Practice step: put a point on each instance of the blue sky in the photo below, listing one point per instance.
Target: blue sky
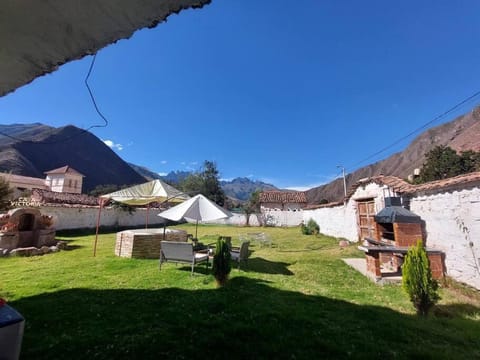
(277, 91)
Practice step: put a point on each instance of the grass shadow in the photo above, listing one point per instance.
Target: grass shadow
(264, 266)
(457, 310)
(173, 323)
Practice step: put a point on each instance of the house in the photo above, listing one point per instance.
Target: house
(282, 200)
(64, 179)
(20, 183)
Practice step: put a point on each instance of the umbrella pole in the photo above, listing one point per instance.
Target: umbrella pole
(98, 225)
(146, 217)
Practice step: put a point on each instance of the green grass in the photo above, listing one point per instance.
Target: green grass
(295, 300)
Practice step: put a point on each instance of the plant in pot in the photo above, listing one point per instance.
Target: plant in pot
(221, 262)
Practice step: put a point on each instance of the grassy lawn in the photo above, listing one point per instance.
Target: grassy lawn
(295, 300)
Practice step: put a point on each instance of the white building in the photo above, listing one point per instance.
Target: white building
(64, 179)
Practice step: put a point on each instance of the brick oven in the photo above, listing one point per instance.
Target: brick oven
(26, 227)
(395, 230)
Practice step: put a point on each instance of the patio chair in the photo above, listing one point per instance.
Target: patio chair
(239, 254)
(181, 252)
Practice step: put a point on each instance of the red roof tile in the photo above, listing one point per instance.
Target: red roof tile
(63, 170)
(283, 197)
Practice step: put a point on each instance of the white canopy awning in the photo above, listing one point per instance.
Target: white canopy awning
(143, 194)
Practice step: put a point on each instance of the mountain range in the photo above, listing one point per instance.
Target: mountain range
(33, 149)
(238, 189)
(462, 133)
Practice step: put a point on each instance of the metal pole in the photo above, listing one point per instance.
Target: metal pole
(344, 180)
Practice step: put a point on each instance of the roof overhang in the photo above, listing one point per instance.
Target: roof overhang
(39, 36)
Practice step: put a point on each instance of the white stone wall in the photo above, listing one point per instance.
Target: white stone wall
(282, 218)
(338, 221)
(452, 224)
(452, 221)
(86, 217)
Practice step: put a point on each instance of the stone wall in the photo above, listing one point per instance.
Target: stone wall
(85, 217)
(452, 224)
(145, 244)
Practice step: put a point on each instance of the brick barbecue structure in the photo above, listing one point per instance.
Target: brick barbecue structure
(395, 230)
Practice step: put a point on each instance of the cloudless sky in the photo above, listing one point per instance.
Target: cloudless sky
(278, 91)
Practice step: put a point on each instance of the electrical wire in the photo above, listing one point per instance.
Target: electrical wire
(445, 113)
(82, 131)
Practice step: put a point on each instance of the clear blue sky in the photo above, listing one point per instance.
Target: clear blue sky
(277, 91)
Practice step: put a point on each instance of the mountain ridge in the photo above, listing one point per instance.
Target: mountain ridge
(461, 133)
(32, 149)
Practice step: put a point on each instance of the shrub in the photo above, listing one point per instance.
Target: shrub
(311, 228)
(221, 262)
(417, 280)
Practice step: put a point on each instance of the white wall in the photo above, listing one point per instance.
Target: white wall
(338, 221)
(452, 222)
(86, 217)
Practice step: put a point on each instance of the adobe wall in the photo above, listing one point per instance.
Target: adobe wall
(452, 222)
(338, 221)
(452, 225)
(66, 218)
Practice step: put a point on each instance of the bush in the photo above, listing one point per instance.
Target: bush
(417, 280)
(311, 228)
(221, 262)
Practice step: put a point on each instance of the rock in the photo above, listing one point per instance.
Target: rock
(5, 252)
(45, 249)
(62, 245)
(28, 251)
(54, 249)
(343, 243)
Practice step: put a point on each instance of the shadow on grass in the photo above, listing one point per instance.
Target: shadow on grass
(456, 310)
(260, 265)
(247, 319)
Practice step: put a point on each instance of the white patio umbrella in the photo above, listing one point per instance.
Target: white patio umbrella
(197, 208)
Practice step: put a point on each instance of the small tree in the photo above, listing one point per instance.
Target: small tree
(221, 262)
(5, 193)
(311, 228)
(252, 206)
(417, 280)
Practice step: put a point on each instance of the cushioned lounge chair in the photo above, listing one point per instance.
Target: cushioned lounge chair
(181, 252)
(241, 253)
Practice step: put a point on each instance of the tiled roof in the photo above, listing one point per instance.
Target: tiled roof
(24, 180)
(283, 197)
(64, 170)
(402, 187)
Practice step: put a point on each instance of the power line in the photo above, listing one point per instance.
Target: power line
(455, 107)
(82, 131)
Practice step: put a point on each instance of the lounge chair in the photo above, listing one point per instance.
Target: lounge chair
(181, 252)
(241, 253)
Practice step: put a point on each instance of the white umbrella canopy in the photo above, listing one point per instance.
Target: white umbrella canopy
(143, 194)
(197, 208)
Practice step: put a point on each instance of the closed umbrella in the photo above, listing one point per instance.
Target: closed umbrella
(197, 208)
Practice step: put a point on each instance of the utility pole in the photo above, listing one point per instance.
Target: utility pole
(344, 181)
